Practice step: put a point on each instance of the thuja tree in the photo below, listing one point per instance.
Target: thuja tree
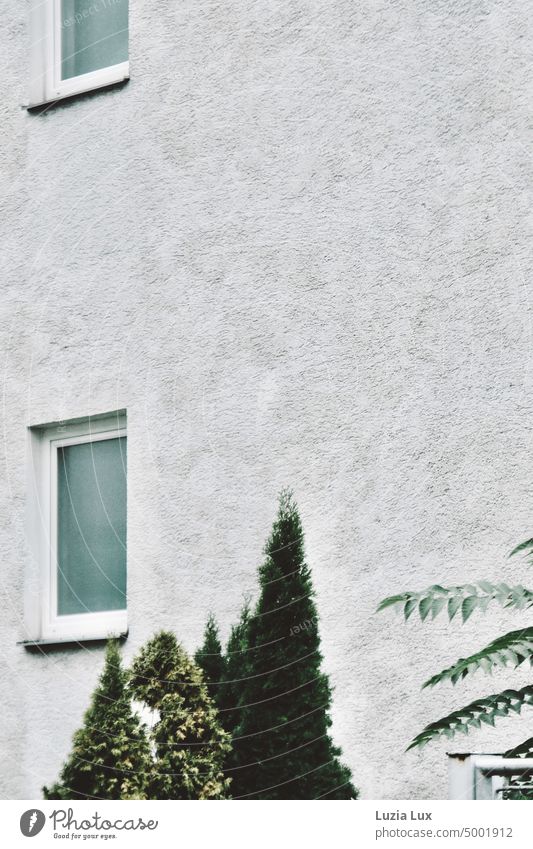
(110, 757)
(190, 745)
(510, 650)
(282, 745)
(235, 674)
(209, 658)
(225, 675)
(225, 672)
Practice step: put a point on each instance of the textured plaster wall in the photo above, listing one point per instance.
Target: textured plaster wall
(296, 247)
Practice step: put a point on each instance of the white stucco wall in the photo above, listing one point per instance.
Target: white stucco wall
(296, 247)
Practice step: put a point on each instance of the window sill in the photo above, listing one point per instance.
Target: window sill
(69, 641)
(84, 84)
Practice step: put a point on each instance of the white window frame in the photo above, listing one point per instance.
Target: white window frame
(46, 624)
(46, 84)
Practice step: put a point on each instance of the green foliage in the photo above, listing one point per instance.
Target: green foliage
(235, 673)
(113, 755)
(209, 658)
(482, 711)
(273, 697)
(282, 747)
(523, 750)
(512, 649)
(466, 599)
(190, 745)
(523, 547)
(110, 758)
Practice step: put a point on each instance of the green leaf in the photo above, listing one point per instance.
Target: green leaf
(425, 606)
(454, 604)
(483, 602)
(391, 601)
(514, 658)
(468, 606)
(436, 606)
(524, 546)
(410, 605)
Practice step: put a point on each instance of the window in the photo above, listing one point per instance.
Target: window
(76, 46)
(79, 471)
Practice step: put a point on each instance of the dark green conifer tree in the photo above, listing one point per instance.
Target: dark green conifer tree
(235, 673)
(282, 746)
(190, 744)
(210, 660)
(111, 757)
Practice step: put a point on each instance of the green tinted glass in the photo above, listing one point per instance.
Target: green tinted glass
(91, 526)
(94, 35)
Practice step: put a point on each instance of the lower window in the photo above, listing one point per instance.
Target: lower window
(83, 502)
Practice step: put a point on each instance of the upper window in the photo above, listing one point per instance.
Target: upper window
(76, 46)
(81, 497)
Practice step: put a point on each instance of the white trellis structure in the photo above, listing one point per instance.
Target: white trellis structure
(482, 777)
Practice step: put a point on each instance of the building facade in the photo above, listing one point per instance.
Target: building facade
(292, 249)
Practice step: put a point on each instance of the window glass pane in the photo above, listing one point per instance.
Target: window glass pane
(91, 527)
(94, 34)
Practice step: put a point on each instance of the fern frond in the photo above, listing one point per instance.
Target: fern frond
(510, 650)
(485, 710)
(466, 598)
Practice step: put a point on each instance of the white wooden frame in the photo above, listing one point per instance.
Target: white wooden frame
(45, 624)
(46, 84)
